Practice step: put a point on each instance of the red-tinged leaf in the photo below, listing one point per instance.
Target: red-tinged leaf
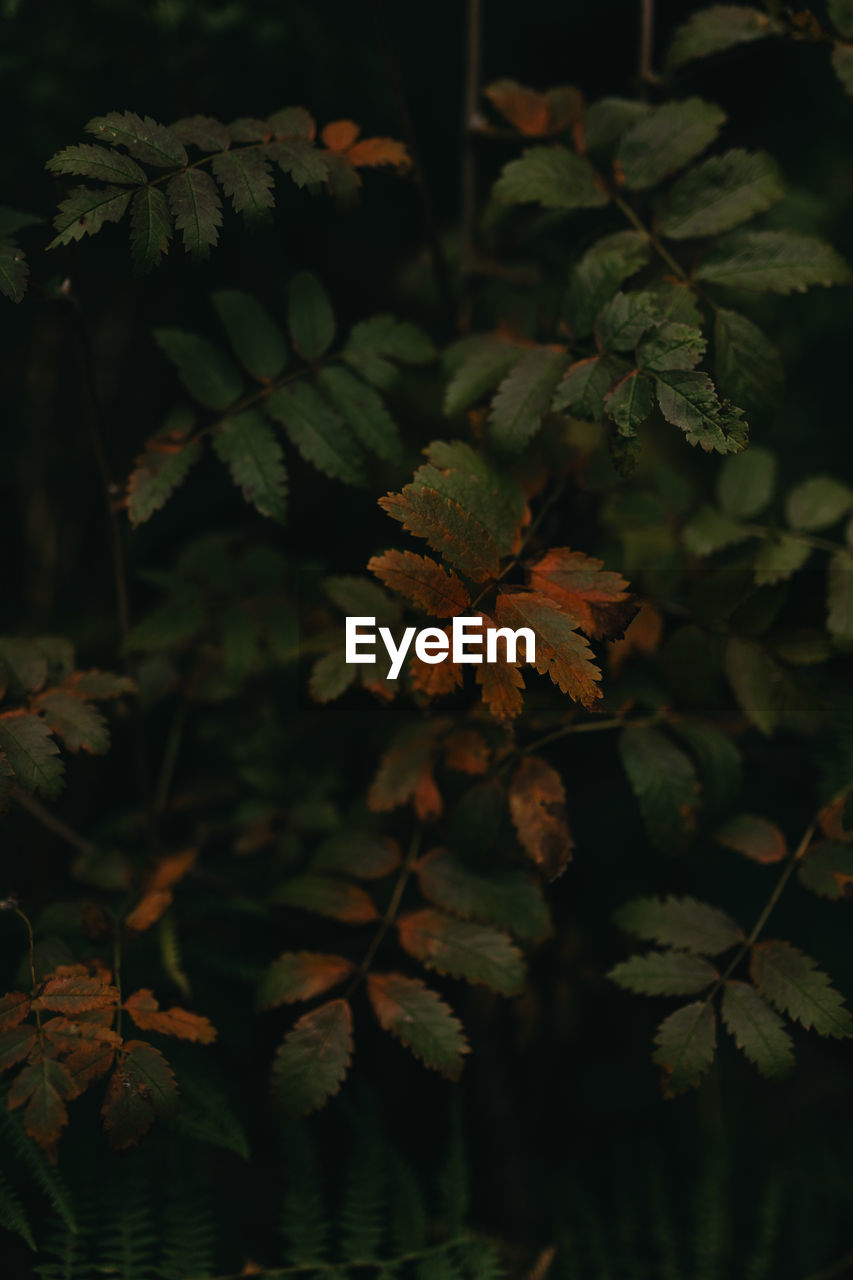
(141, 1088)
(158, 472)
(561, 651)
(474, 952)
(72, 989)
(535, 114)
(299, 975)
(43, 1088)
(328, 896)
(339, 135)
(754, 837)
(420, 1020)
(831, 819)
(466, 751)
(447, 527)
(171, 869)
(148, 1016)
(357, 853)
(14, 1007)
(313, 1058)
(643, 635)
(501, 686)
(436, 679)
(80, 726)
(597, 601)
(427, 799)
(423, 581)
(148, 910)
(537, 803)
(92, 1060)
(15, 1045)
(685, 1046)
(370, 153)
(70, 1035)
(401, 769)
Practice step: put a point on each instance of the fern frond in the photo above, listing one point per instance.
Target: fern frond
(206, 1114)
(12, 1213)
(188, 1235)
(303, 1222)
(46, 1177)
(711, 1216)
(761, 1262)
(365, 1205)
(408, 1210)
(453, 1182)
(72, 1252)
(128, 1235)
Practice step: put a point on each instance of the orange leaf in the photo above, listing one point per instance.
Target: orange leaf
(171, 869)
(372, 152)
(148, 1016)
(15, 1045)
(467, 751)
(339, 135)
(537, 803)
(299, 975)
(501, 684)
(435, 679)
(148, 910)
(14, 1007)
(831, 819)
(561, 652)
(427, 798)
(597, 601)
(524, 108)
(43, 1088)
(401, 769)
(67, 1035)
(642, 635)
(423, 581)
(72, 990)
(447, 527)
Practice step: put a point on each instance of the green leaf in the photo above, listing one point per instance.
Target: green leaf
(754, 837)
(492, 496)
(550, 176)
(14, 271)
(842, 64)
(817, 503)
(663, 780)
(205, 370)
(508, 899)
(606, 120)
(140, 1089)
(85, 211)
(420, 1020)
(447, 527)
(79, 725)
(246, 179)
(159, 470)
(745, 482)
(462, 950)
(150, 227)
(317, 431)
(827, 869)
(792, 982)
(748, 366)
(331, 676)
(373, 344)
(313, 1058)
(356, 595)
(664, 973)
(664, 140)
(778, 261)
(719, 764)
(719, 194)
(755, 681)
(524, 397)
(672, 346)
(247, 445)
(586, 384)
(362, 854)
(310, 316)
(203, 132)
(778, 557)
(23, 665)
(685, 1045)
(88, 161)
(327, 896)
(144, 138)
(683, 923)
(757, 1030)
(688, 400)
(256, 339)
(479, 363)
(599, 273)
(196, 208)
(304, 164)
(709, 530)
(720, 27)
(839, 582)
(300, 975)
(13, 1216)
(622, 322)
(841, 16)
(32, 753)
(629, 402)
(364, 410)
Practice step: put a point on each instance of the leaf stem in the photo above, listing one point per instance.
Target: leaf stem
(32, 951)
(391, 910)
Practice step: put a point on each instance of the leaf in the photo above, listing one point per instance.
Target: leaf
(86, 210)
(778, 261)
(745, 482)
(331, 676)
(420, 1019)
(104, 163)
(777, 558)
(664, 140)
(196, 208)
(683, 923)
(372, 153)
(255, 337)
(817, 503)
(359, 595)
(314, 1058)
(664, 781)
(150, 908)
(757, 1030)
(501, 684)
(754, 837)
(72, 990)
(685, 1045)
(561, 652)
(491, 495)
(754, 678)
(594, 597)
(246, 179)
(16, 1044)
(364, 410)
(79, 725)
(302, 162)
(317, 431)
(712, 30)
(310, 316)
(537, 804)
(299, 975)
(144, 138)
(841, 16)
(447, 528)
(423, 581)
(480, 363)
(328, 896)
(141, 1088)
(158, 472)
(550, 176)
(508, 899)
(598, 275)
(202, 367)
(14, 1007)
(148, 1016)
(688, 400)
(708, 530)
(532, 113)
(524, 397)
(372, 345)
(748, 366)
(792, 982)
(719, 194)
(404, 767)
(586, 384)
(625, 318)
(248, 447)
(43, 1088)
(839, 620)
(664, 973)
(466, 751)
(14, 271)
(606, 120)
(357, 853)
(462, 950)
(150, 227)
(203, 132)
(672, 346)
(31, 753)
(827, 869)
(842, 64)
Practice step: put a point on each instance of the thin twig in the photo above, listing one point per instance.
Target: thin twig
(53, 824)
(554, 495)
(470, 116)
(590, 726)
(645, 75)
(391, 910)
(170, 756)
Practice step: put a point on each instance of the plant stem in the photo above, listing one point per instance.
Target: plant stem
(470, 111)
(645, 75)
(807, 539)
(390, 911)
(53, 824)
(556, 493)
(32, 946)
(590, 726)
